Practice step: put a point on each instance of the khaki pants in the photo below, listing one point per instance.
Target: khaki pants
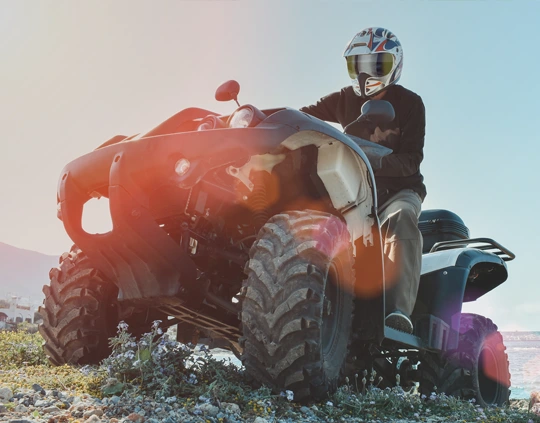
(402, 242)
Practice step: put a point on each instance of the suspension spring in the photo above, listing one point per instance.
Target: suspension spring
(258, 201)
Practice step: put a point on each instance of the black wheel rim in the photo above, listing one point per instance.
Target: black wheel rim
(331, 306)
(488, 375)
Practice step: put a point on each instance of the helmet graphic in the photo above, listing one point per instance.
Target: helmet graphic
(374, 60)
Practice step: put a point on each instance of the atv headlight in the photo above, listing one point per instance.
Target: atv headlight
(241, 118)
(182, 166)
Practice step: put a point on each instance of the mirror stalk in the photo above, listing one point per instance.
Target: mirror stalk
(353, 122)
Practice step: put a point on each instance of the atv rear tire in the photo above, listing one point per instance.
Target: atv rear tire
(79, 312)
(477, 369)
(297, 305)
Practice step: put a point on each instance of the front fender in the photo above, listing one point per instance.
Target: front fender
(128, 171)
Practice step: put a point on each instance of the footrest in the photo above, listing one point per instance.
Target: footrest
(433, 330)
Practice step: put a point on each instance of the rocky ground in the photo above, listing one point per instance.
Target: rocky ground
(177, 383)
(52, 406)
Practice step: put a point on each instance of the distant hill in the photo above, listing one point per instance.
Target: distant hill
(24, 272)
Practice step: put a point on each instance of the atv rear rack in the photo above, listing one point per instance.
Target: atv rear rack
(485, 244)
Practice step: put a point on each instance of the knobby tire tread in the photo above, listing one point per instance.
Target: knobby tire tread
(455, 372)
(282, 305)
(78, 312)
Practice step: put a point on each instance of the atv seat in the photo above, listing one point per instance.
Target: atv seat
(440, 225)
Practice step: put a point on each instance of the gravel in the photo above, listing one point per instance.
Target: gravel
(38, 405)
(44, 406)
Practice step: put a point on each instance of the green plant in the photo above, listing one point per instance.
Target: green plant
(21, 348)
(158, 365)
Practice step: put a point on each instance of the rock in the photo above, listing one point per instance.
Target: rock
(51, 409)
(42, 403)
(93, 419)
(21, 421)
(134, 417)
(61, 405)
(38, 388)
(94, 412)
(21, 408)
(5, 394)
(115, 399)
(305, 410)
(260, 420)
(209, 409)
(113, 420)
(231, 407)
(3, 409)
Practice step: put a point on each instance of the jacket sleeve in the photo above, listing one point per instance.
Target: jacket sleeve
(406, 161)
(325, 108)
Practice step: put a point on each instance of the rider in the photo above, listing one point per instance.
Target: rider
(374, 60)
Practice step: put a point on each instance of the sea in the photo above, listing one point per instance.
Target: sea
(523, 349)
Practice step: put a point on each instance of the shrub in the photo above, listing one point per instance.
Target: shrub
(20, 349)
(161, 367)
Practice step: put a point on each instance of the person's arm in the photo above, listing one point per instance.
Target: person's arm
(325, 108)
(406, 162)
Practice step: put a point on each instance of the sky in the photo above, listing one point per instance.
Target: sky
(73, 74)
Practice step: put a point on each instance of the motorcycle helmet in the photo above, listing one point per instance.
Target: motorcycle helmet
(374, 60)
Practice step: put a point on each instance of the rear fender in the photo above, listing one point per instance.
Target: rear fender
(451, 277)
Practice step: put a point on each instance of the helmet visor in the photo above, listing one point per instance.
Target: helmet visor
(375, 65)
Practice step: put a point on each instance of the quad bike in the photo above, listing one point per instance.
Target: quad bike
(259, 231)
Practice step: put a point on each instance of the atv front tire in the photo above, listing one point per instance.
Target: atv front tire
(477, 369)
(297, 305)
(79, 312)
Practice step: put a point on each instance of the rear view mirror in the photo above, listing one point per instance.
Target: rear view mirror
(228, 91)
(377, 111)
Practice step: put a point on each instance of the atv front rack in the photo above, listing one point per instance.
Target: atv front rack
(485, 244)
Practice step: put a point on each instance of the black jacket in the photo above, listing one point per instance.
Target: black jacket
(404, 135)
